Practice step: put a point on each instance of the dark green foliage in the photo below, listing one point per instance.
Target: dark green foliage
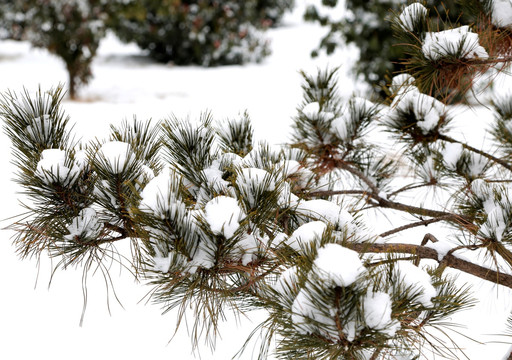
(200, 32)
(13, 19)
(272, 10)
(236, 137)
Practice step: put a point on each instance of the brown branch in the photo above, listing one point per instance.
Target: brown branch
(449, 260)
(419, 223)
(503, 163)
(383, 202)
(376, 354)
(336, 192)
(410, 187)
(358, 173)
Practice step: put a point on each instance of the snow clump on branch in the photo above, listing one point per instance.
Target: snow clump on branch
(84, 226)
(427, 110)
(52, 167)
(117, 155)
(411, 15)
(460, 42)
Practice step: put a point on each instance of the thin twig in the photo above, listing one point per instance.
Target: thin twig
(418, 223)
(336, 192)
(410, 187)
(374, 193)
(502, 162)
(376, 354)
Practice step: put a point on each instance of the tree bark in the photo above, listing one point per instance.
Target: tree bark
(449, 260)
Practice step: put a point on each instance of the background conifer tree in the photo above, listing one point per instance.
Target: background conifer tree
(71, 30)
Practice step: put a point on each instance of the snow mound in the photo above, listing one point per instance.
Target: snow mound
(411, 15)
(117, 155)
(223, 215)
(51, 167)
(460, 42)
(338, 265)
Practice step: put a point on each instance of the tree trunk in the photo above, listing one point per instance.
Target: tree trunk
(72, 84)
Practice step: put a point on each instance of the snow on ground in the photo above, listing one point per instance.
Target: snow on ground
(43, 323)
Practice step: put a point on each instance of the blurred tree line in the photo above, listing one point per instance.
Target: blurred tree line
(203, 32)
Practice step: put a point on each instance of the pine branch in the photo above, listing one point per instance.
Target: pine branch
(448, 217)
(503, 163)
(385, 203)
(449, 260)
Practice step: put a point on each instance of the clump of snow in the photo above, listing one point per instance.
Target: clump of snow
(344, 126)
(257, 177)
(147, 172)
(229, 159)
(251, 181)
(158, 194)
(480, 188)
(324, 210)
(418, 281)
(305, 234)
(401, 82)
(377, 313)
(411, 15)
(249, 245)
(214, 178)
(477, 164)
(338, 265)
(51, 167)
(360, 104)
(340, 126)
(85, 225)
(501, 13)
(496, 224)
(117, 154)
(451, 155)
(311, 110)
(427, 109)
(223, 215)
(203, 258)
(290, 167)
(81, 158)
(286, 197)
(161, 263)
(442, 248)
(460, 42)
(294, 170)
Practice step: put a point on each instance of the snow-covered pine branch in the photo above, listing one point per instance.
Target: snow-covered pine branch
(220, 223)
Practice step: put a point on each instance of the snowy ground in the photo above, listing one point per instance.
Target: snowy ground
(43, 323)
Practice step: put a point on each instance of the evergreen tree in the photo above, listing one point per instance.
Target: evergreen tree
(218, 222)
(201, 32)
(71, 30)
